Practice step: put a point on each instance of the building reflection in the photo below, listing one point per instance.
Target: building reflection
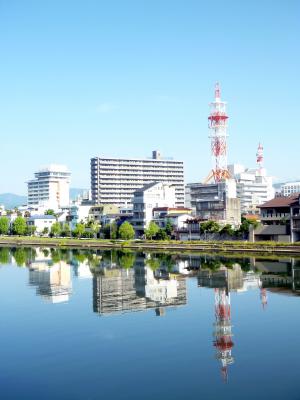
(278, 276)
(120, 290)
(51, 279)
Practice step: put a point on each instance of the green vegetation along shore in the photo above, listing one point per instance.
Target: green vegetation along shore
(216, 246)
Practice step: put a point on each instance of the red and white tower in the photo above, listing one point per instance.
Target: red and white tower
(260, 156)
(217, 123)
(223, 330)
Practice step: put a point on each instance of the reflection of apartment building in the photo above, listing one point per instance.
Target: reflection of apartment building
(52, 281)
(114, 180)
(135, 289)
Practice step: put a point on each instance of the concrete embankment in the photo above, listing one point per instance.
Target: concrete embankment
(220, 247)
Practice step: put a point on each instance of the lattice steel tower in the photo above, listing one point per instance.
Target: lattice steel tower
(217, 123)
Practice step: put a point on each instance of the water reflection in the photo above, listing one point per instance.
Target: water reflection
(148, 285)
(51, 279)
(125, 282)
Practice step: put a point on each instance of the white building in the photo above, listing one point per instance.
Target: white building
(50, 188)
(114, 180)
(146, 199)
(253, 187)
(40, 222)
(289, 188)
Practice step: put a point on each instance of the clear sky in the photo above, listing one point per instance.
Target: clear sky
(121, 78)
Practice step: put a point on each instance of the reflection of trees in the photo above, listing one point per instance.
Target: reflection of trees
(23, 255)
(20, 256)
(153, 262)
(211, 263)
(46, 252)
(55, 255)
(4, 255)
(126, 260)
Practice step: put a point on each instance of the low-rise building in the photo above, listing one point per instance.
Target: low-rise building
(280, 220)
(253, 187)
(148, 198)
(97, 212)
(215, 201)
(40, 222)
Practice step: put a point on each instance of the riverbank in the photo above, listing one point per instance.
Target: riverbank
(139, 245)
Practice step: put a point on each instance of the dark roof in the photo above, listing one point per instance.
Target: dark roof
(180, 208)
(282, 201)
(145, 187)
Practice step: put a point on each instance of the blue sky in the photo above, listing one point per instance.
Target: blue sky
(121, 78)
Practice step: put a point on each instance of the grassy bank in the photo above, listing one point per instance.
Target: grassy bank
(224, 247)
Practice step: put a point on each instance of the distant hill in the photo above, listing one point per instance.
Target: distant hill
(11, 200)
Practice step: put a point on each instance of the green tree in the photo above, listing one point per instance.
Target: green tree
(79, 230)
(30, 230)
(95, 228)
(45, 231)
(19, 226)
(152, 230)
(227, 230)
(110, 231)
(66, 230)
(56, 229)
(126, 231)
(4, 225)
(210, 226)
(161, 235)
(50, 212)
(169, 228)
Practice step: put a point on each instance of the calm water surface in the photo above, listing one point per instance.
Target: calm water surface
(113, 325)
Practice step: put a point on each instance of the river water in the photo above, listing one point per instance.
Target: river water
(122, 325)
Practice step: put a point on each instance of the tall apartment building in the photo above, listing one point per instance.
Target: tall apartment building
(50, 187)
(114, 180)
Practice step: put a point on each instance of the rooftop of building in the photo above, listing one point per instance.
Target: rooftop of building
(54, 168)
(282, 201)
(50, 217)
(156, 156)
